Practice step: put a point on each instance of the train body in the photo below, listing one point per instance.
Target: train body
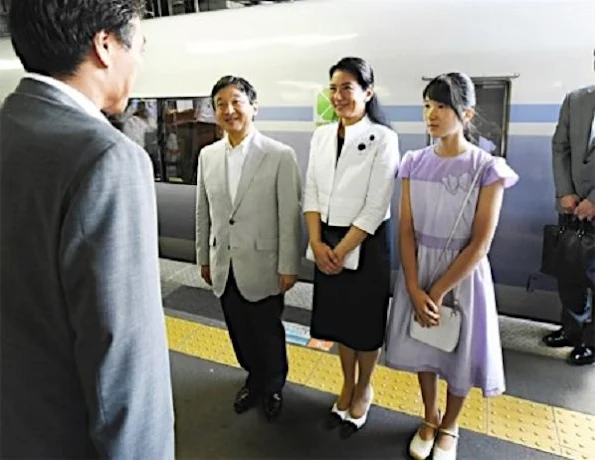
(285, 51)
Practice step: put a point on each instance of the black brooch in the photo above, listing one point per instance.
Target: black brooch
(362, 146)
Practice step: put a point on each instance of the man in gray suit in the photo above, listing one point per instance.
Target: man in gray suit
(573, 149)
(85, 366)
(248, 239)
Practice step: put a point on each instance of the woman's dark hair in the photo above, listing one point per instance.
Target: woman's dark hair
(363, 73)
(457, 91)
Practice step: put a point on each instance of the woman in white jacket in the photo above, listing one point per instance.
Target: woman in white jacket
(349, 185)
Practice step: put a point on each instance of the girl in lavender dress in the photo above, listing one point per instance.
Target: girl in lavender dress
(435, 183)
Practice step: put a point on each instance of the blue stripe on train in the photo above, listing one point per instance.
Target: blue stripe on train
(519, 113)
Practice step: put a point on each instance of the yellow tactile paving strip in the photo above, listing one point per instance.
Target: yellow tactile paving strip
(538, 426)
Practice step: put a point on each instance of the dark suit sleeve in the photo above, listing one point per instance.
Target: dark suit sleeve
(589, 173)
(109, 268)
(561, 152)
(289, 192)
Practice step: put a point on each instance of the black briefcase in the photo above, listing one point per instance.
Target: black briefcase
(568, 252)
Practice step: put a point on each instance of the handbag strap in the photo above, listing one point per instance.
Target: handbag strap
(459, 217)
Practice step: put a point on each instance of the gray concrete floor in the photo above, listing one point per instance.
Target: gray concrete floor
(208, 428)
(550, 381)
(535, 377)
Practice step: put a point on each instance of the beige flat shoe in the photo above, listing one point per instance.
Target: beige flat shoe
(420, 449)
(450, 454)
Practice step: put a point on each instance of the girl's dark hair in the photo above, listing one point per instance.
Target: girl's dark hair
(457, 91)
(363, 73)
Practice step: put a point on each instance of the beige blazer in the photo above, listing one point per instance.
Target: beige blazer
(259, 233)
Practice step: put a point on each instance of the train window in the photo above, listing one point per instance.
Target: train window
(492, 114)
(188, 126)
(140, 122)
(491, 121)
(172, 132)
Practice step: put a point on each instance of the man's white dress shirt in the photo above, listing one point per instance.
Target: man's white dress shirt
(236, 157)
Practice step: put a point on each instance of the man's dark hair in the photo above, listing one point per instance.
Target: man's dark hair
(53, 37)
(240, 83)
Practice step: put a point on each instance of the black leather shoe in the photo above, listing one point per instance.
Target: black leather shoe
(582, 356)
(245, 399)
(557, 339)
(272, 406)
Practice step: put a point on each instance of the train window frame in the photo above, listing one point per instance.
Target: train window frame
(118, 120)
(163, 138)
(200, 133)
(504, 84)
(163, 102)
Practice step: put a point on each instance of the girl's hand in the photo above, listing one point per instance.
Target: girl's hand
(427, 312)
(436, 296)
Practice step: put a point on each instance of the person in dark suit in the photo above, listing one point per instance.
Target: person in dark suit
(85, 365)
(573, 149)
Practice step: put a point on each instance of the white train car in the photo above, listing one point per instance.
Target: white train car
(524, 56)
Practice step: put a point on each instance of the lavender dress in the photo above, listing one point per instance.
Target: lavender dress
(438, 186)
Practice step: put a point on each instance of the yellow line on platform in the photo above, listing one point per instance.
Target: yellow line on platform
(546, 428)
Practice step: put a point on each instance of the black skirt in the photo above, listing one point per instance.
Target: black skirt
(351, 308)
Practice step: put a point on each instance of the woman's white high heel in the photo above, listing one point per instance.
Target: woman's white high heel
(342, 414)
(335, 417)
(450, 454)
(353, 425)
(419, 448)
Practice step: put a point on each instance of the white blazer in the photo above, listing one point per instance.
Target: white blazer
(358, 190)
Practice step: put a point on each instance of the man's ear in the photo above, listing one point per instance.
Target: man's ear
(103, 46)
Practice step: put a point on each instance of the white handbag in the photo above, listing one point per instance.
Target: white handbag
(445, 336)
(350, 262)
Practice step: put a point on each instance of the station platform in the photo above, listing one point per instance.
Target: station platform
(548, 410)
